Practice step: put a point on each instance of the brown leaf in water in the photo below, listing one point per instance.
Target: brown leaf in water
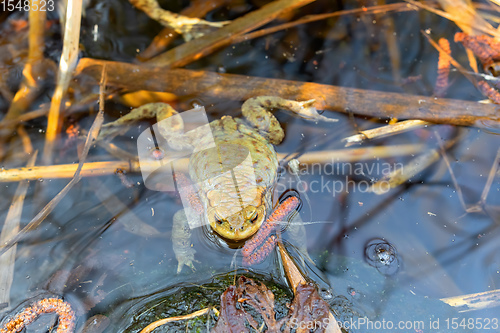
(307, 307)
(231, 318)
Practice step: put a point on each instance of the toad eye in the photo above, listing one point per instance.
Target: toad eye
(254, 217)
(218, 219)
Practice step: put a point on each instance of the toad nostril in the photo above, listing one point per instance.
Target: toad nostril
(242, 228)
(230, 228)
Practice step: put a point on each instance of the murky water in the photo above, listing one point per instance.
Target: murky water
(376, 255)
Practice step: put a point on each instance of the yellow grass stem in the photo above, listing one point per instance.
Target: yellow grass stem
(66, 66)
(94, 169)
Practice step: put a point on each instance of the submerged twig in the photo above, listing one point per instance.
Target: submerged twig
(412, 168)
(452, 174)
(478, 207)
(491, 176)
(25, 139)
(9, 229)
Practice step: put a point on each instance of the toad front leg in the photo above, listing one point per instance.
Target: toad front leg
(256, 112)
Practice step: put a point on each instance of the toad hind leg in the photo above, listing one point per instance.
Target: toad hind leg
(181, 240)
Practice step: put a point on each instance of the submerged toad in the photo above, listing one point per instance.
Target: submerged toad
(233, 181)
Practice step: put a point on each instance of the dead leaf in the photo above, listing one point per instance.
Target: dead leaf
(307, 310)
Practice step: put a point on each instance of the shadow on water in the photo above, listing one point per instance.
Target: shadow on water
(107, 248)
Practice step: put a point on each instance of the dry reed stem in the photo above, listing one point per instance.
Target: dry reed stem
(388, 130)
(342, 99)
(9, 229)
(158, 323)
(477, 301)
(36, 36)
(382, 9)
(66, 171)
(465, 15)
(198, 48)
(67, 64)
(465, 23)
(95, 169)
(472, 60)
